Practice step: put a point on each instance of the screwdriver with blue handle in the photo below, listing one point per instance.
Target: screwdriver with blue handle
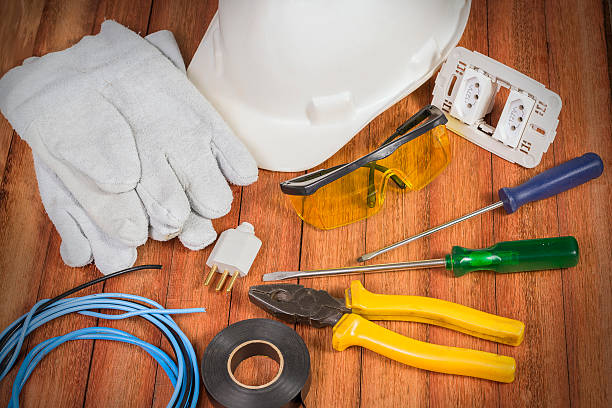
(544, 185)
(503, 257)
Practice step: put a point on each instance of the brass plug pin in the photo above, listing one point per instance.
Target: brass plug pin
(231, 282)
(222, 280)
(210, 275)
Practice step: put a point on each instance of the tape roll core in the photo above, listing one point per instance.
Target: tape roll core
(250, 338)
(253, 348)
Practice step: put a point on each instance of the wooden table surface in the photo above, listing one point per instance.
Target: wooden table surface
(566, 357)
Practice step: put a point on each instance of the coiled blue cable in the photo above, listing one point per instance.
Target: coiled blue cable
(183, 373)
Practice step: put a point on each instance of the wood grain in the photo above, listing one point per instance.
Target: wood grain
(17, 33)
(28, 234)
(321, 249)
(129, 372)
(454, 193)
(187, 272)
(403, 215)
(585, 211)
(565, 359)
(535, 298)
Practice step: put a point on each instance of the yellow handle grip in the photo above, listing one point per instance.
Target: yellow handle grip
(453, 316)
(354, 330)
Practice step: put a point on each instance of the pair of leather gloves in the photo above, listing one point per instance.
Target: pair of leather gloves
(124, 146)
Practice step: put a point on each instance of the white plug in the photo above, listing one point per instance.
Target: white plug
(514, 118)
(474, 98)
(233, 254)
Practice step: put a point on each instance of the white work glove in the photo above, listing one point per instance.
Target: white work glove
(186, 150)
(82, 240)
(92, 111)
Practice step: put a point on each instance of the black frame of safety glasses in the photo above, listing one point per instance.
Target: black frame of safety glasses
(425, 120)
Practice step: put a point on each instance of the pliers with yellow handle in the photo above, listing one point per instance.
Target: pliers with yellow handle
(350, 319)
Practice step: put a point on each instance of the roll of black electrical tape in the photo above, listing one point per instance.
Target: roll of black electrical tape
(250, 338)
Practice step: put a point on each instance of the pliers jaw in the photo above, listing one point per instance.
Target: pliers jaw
(294, 303)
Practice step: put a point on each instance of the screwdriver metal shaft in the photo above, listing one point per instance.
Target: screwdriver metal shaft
(276, 276)
(503, 257)
(483, 210)
(553, 181)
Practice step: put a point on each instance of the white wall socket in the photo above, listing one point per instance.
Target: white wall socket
(465, 90)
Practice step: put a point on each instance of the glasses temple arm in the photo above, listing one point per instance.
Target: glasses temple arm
(371, 186)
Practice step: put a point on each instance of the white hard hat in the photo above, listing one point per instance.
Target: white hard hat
(297, 79)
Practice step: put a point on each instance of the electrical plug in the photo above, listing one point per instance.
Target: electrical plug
(233, 255)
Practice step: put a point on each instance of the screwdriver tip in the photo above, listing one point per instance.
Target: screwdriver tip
(366, 257)
(275, 276)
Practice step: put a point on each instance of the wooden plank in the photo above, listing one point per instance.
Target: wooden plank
(403, 214)
(18, 31)
(335, 375)
(28, 230)
(578, 71)
(464, 187)
(132, 14)
(534, 298)
(188, 21)
(275, 222)
(24, 236)
(24, 232)
(17, 39)
(121, 372)
(17, 34)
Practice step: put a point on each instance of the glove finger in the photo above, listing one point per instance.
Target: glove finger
(119, 215)
(163, 196)
(207, 190)
(74, 249)
(162, 233)
(165, 42)
(197, 233)
(82, 240)
(109, 255)
(235, 161)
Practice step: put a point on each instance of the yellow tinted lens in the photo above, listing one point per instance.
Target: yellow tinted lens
(361, 193)
(421, 160)
(343, 201)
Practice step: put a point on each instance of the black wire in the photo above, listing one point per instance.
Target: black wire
(93, 282)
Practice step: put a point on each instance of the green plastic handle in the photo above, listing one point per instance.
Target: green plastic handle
(515, 256)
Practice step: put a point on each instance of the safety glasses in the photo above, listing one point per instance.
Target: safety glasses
(411, 157)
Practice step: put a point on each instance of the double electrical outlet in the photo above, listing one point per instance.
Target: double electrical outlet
(466, 89)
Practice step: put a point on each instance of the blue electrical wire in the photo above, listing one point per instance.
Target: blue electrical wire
(183, 373)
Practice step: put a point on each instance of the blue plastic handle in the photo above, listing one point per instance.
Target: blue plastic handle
(565, 176)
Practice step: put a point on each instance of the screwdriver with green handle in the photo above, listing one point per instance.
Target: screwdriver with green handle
(503, 257)
(551, 182)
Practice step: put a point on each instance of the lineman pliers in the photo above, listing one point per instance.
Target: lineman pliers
(350, 319)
